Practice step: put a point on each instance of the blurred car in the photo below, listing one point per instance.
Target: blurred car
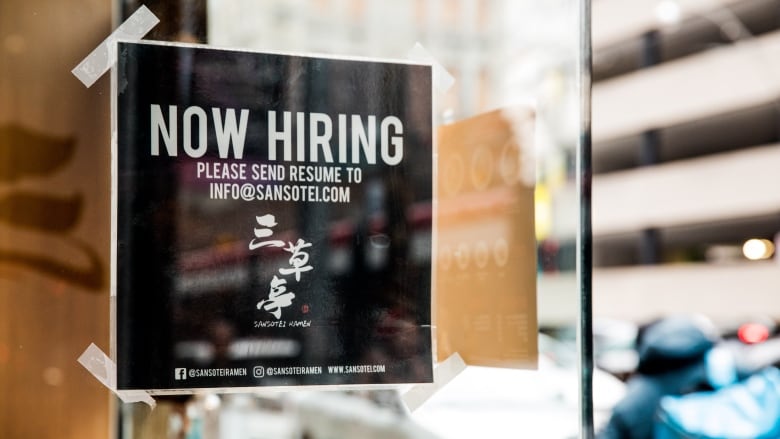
(504, 403)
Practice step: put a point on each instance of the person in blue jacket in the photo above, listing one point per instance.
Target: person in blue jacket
(672, 361)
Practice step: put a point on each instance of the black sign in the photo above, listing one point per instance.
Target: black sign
(272, 219)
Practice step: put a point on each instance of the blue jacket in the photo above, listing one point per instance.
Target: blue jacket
(671, 362)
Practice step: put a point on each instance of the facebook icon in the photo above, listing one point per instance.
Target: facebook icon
(180, 373)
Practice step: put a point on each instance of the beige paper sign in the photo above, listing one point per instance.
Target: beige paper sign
(486, 248)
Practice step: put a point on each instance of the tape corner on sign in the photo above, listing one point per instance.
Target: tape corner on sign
(97, 63)
(442, 79)
(443, 373)
(104, 370)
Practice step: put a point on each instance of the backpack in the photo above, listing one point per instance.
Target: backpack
(747, 409)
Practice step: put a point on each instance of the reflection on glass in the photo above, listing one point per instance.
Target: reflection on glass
(503, 55)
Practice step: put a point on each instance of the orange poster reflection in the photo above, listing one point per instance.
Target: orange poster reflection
(486, 249)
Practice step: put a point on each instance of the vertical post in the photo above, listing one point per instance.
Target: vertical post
(584, 232)
(649, 148)
(651, 49)
(649, 247)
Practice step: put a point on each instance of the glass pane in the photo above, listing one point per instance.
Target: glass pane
(494, 219)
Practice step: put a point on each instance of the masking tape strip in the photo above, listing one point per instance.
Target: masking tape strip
(103, 57)
(99, 365)
(443, 373)
(442, 79)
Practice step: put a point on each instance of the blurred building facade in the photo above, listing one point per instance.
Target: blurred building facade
(686, 125)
